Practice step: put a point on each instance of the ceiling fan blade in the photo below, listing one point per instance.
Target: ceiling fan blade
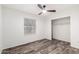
(51, 10)
(40, 13)
(39, 5)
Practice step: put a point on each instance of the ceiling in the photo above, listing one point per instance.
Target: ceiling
(33, 9)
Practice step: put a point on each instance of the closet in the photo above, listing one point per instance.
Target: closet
(61, 29)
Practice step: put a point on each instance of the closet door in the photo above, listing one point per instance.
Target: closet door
(61, 29)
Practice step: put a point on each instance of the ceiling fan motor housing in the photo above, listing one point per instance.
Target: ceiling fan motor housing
(44, 6)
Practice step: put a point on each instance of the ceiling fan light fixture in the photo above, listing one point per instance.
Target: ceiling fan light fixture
(44, 11)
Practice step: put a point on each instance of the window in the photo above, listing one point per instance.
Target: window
(29, 26)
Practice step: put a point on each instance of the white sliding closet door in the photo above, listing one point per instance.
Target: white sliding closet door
(61, 29)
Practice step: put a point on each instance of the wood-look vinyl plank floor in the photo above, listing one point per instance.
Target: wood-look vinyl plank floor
(44, 46)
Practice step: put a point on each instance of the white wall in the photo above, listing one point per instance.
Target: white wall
(13, 28)
(73, 12)
(0, 29)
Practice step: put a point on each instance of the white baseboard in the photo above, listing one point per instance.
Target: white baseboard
(75, 46)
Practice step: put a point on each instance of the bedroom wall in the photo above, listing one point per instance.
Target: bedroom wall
(73, 12)
(0, 29)
(13, 28)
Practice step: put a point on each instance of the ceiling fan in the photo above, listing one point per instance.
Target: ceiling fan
(42, 7)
